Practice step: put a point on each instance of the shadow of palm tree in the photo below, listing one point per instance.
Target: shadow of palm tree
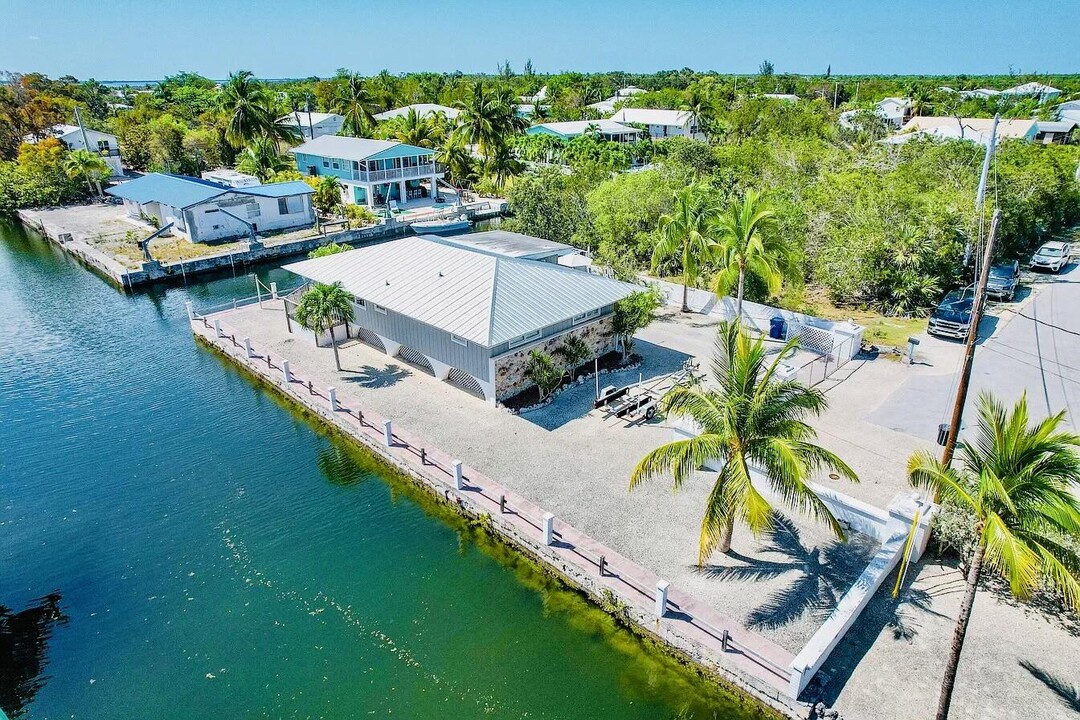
(824, 573)
(373, 377)
(1066, 691)
(24, 639)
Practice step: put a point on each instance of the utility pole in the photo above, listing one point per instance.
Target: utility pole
(969, 346)
(82, 129)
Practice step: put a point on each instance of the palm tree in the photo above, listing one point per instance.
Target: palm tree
(751, 418)
(354, 103)
(502, 165)
(684, 234)
(480, 119)
(245, 101)
(1018, 481)
(454, 155)
(412, 129)
(699, 105)
(327, 194)
(261, 159)
(747, 243)
(85, 165)
(321, 308)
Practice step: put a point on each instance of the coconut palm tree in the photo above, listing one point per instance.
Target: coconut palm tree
(412, 129)
(699, 105)
(684, 235)
(480, 120)
(85, 165)
(261, 159)
(1019, 481)
(747, 243)
(327, 195)
(750, 419)
(502, 165)
(454, 155)
(354, 103)
(244, 99)
(321, 308)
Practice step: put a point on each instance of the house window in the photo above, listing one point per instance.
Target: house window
(103, 145)
(458, 340)
(528, 337)
(325, 163)
(360, 303)
(289, 205)
(379, 309)
(253, 210)
(335, 164)
(578, 319)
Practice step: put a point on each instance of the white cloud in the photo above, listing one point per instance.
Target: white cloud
(32, 37)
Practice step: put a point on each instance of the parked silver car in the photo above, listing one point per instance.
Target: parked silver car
(1052, 256)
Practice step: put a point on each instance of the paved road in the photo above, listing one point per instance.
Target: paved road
(1032, 346)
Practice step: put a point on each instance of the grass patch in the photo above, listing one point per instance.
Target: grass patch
(880, 329)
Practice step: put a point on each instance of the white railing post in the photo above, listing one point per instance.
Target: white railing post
(247, 347)
(459, 478)
(273, 290)
(217, 329)
(190, 311)
(661, 597)
(332, 395)
(388, 433)
(285, 371)
(549, 529)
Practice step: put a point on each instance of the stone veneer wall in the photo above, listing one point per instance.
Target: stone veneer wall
(510, 368)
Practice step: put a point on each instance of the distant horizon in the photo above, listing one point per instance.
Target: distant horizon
(296, 40)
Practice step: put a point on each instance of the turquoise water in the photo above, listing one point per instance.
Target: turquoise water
(175, 543)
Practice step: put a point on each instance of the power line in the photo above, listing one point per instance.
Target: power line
(1049, 325)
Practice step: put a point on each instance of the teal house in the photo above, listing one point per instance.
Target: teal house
(372, 172)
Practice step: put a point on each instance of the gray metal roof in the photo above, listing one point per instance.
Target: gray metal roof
(509, 244)
(485, 298)
(353, 148)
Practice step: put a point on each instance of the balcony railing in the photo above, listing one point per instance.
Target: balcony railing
(409, 173)
(111, 152)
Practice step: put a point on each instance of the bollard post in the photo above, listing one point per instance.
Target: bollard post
(549, 528)
(247, 347)
(332, 394)
(388, 433)
(725, 638)
(190, 311)
(309, 390)
(285, 371)
(661, 597)
(360, 417)
(603, 565)
(423, 456)
(502, 504)
(273, 290)
(217, 329)
(459, 479)
(267, 360)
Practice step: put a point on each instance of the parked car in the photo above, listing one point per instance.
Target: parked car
(1052, 256)
(952, 316)
(1004, 277)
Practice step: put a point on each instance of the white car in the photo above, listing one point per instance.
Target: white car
(1052, 256)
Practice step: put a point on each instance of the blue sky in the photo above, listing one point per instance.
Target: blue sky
(124, 39)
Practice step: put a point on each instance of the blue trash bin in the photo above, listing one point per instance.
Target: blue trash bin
(777, 328)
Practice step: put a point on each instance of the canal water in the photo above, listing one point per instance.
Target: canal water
(176, 543)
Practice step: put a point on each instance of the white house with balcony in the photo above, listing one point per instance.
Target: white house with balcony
(661, 123)
(372, 172)
(75, 138)
(422, 110)
(314, 124)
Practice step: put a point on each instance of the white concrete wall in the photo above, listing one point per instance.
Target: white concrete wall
(206, 226)
(74, 141)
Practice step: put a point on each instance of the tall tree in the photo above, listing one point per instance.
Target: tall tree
(322, 307)
(1019, 481)
(85, 165)
(685, 236)
(747, 242)
(751, 420)
(247, 104)
(261, 159)
(354, 103)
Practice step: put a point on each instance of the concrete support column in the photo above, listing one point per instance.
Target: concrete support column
(434, 187)
(403, 192)
(285, 371)
(190, 311)
(332, 394)
(661, 598)
(369, 197)
(247, 348)
(217, 329)
(441, 369)
(459, 478)
(549, 528)
(273, 290)
(389, 345)
(388, 433)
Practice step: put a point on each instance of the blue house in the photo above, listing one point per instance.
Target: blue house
(372, 171)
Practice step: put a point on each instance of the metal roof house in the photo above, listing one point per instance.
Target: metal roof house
(203, 210)
(371, 171)
(661, 123)
(314, 124)
(468, 316)
(422, 110)
(604, 129)
(513, 245)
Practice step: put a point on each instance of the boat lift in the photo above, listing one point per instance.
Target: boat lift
(639, 402)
